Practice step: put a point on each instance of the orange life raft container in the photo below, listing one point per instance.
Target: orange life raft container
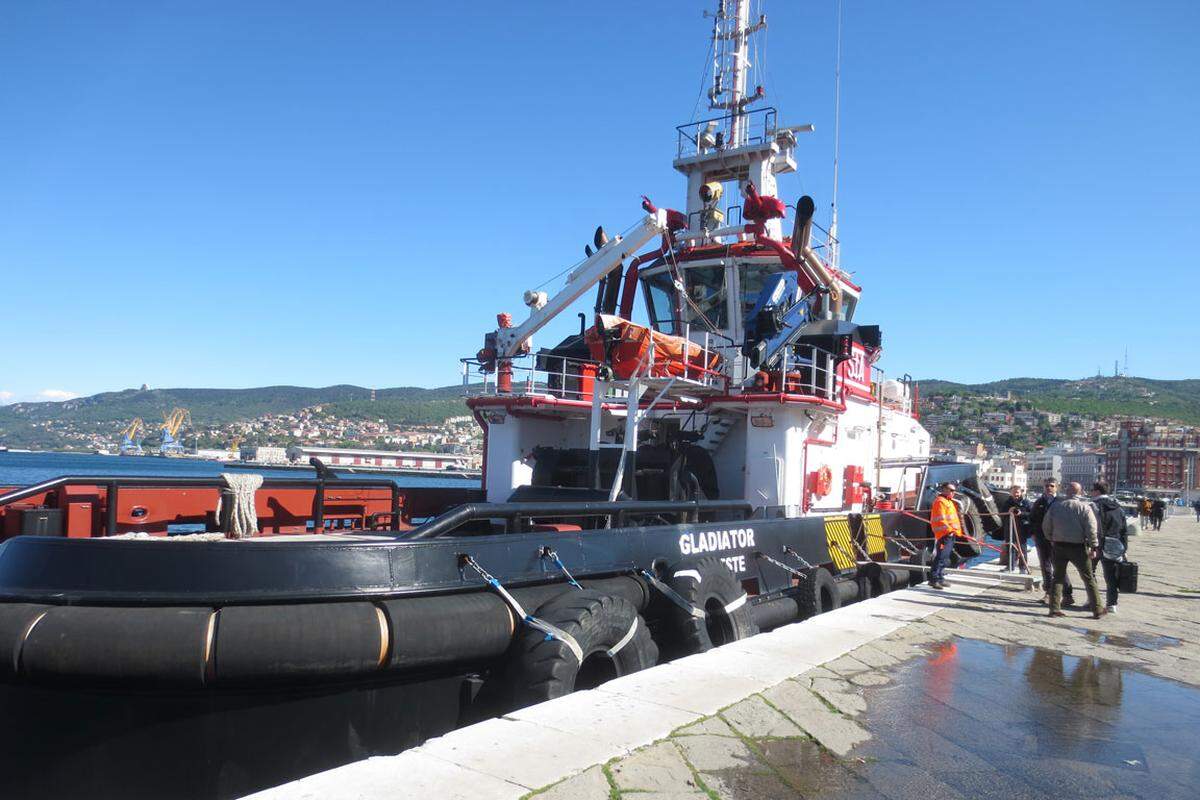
(672, 357)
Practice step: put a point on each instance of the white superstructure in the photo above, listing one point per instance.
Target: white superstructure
(752, 381)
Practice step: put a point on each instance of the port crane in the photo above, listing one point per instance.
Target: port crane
(172, 424)
(235, 447)
(130, 444)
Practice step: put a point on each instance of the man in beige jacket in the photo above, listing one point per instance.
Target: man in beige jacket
(1071, 525)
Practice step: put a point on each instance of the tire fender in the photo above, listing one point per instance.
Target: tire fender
(817, 592)
(708, 585)
(611, 634)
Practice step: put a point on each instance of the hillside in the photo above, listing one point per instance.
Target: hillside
(38, 425)
(1097, 397)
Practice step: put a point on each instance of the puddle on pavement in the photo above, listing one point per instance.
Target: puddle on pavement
(1134, 640)
(979, 720)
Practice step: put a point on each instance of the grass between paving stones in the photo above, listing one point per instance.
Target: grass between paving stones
(613, 792)
(757, 750)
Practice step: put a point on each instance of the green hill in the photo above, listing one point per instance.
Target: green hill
(1099, 397)
(38, 424)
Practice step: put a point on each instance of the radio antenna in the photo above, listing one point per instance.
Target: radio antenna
(832, 244)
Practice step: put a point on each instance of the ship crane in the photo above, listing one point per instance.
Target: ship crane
(171, 426)
(130, 444)
(609, 258)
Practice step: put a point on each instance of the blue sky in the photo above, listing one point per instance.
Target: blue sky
(239, 194)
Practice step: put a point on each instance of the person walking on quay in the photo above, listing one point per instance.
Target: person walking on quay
(1196, 508)
(1158, 510)
(1113, 540)
(1017, 529)
(947, 527)
(1145, 506)
(1045, 549)
(1070, 525)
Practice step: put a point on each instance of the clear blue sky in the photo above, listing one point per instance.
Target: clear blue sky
(247, 193)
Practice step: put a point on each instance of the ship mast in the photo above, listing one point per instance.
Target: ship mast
(731, 70)
(833, 246)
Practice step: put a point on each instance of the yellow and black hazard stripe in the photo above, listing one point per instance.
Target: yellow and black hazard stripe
(873, 528)
(839, 541)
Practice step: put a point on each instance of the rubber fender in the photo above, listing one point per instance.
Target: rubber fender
(973, 527)
(774, 613)
(893, 579)
(299, 641)
(985, 505)
(632, 589)
(150, 647)
(881, 579)
(15, 621)
(849, 590)
(612, 636)
(817, 592)
(709, 585)
(428, 631)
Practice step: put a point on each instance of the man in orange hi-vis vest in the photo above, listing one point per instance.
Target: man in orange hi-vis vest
(947, 525)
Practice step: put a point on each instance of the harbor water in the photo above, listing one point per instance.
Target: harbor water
(23, 469)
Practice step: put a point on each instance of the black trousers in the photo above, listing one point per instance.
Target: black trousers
(1111, 589)
(1045, 551)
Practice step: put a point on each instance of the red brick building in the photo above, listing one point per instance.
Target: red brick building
(1154, 458)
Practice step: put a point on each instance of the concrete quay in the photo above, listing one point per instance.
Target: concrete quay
(970, 692)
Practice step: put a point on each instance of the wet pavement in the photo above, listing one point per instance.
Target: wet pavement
(987, 699)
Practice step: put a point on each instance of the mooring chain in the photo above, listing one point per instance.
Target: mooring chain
(795, 572)
(551, 631)
(672, 595)
(548, 552)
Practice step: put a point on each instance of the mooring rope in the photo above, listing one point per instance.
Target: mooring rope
(243, 517)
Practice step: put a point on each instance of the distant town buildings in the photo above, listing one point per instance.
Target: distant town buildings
(1005, 473)
(1042, 467)
(1155, 458)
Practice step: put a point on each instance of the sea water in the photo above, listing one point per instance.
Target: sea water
(23, 469)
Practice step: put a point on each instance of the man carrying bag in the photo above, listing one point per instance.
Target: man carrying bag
(1114, 540)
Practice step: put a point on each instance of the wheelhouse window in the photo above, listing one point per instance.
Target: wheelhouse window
(660, 296)
(706, 291)
(753, 277)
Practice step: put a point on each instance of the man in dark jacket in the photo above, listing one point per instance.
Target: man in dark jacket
(1017, 530)
(1158, 510)
(1045, 550)
(1113, 540)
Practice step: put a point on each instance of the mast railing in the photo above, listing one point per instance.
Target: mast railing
(708, 135)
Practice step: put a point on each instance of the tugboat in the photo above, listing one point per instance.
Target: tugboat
(736, 462)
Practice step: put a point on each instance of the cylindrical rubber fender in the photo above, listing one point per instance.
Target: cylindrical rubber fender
(15, 621)
(709, 586)
(774, 613)
(429, 631)
(149, 647)
(893, 579)
(863, 587)
(632, 589)
(299, 641)
(817, 593)
(611, 636)
(881, 580)
(850, 590)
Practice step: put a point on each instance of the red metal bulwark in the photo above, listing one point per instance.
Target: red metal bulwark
(281, 510)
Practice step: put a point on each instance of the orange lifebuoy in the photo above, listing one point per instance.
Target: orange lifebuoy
(822, 481)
